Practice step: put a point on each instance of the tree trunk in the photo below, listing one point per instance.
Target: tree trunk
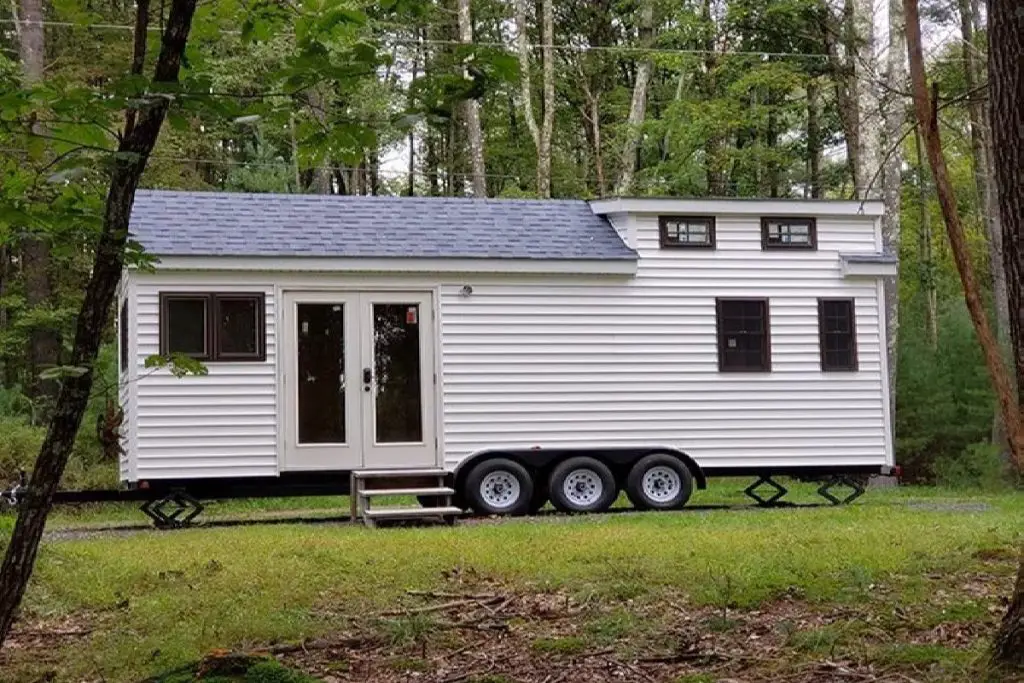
(595, 123)
(715, 175)
(1006, 81)
(813, 142)
(892, 184)
(293, 139)
(548, 121)
(127, 167)
(638, 105)
(472, 113)
(928, 120)
(411, 181)
(431, 162)
(1008, 648)
(318, 103)
(869, 158)
(771, 141)
(926, 262)
(840, 33)
(44, 343)
(541, 136)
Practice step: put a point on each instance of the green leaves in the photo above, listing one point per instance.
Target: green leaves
(178, 364)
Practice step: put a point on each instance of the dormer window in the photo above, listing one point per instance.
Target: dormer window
(687, 231)
(789, 233)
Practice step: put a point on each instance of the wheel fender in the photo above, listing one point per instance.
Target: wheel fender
(474, 459)
(691, 464)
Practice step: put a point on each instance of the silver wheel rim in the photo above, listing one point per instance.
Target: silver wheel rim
(500, 489)
(583, 487)
(661, 484)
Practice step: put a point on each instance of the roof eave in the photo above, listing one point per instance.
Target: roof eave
(625, 265)
(737, 206)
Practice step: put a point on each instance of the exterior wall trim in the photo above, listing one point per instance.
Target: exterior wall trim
(267, 264)
(738, 207)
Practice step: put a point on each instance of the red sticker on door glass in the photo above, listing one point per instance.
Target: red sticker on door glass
(411, 315)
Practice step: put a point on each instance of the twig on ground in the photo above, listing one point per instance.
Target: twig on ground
(440, 607)
(317, 644)
(446, 594)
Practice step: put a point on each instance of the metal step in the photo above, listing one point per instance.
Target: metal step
(411, 512)
(377, 474)
(426, 491)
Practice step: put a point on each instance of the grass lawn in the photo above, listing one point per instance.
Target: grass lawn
(904, 585)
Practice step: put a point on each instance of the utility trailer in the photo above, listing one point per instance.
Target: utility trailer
(493, 355)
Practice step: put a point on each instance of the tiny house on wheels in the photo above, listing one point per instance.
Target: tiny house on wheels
(497, 354)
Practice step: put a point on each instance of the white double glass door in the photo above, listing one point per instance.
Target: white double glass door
(358, 380)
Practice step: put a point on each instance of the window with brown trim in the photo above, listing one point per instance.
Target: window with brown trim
(213, 326)
(743, 335)
(122, 335)
(789, 233)
(837, 330)
(687, 231)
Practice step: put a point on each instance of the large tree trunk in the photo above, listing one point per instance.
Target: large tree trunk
(523, 50)
(141, 131)
(44, 342)
(717, 181)
(1006, 82)
(927, 118)
(892, 184)
(869, 157)
(1013, 119)
(981, 153)
(638, 105)
(841, 45)
(322, 174)
(471, 109)
(547, 127)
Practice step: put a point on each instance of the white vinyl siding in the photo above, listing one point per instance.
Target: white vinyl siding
(223, 424)
(534, 359)
(574, 362)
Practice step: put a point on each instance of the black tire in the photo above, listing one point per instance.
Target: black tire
(430, 501)
(682, 483)
(485, 502)
(600, 475)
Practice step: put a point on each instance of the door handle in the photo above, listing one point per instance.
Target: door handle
(367, 378)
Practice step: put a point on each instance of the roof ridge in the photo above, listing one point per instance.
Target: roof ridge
(156, 192)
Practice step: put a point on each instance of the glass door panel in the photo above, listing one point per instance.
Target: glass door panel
(321, 372)
(397, 394)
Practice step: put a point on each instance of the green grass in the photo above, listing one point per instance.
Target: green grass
(157, 601)
(568, 645)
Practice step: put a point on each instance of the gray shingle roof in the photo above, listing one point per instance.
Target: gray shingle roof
(237, 224)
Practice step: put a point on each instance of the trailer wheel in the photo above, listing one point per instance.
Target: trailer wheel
(499, 487)
(582, 484)
(659, 482)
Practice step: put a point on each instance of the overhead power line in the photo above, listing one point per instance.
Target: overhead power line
(622, 49)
